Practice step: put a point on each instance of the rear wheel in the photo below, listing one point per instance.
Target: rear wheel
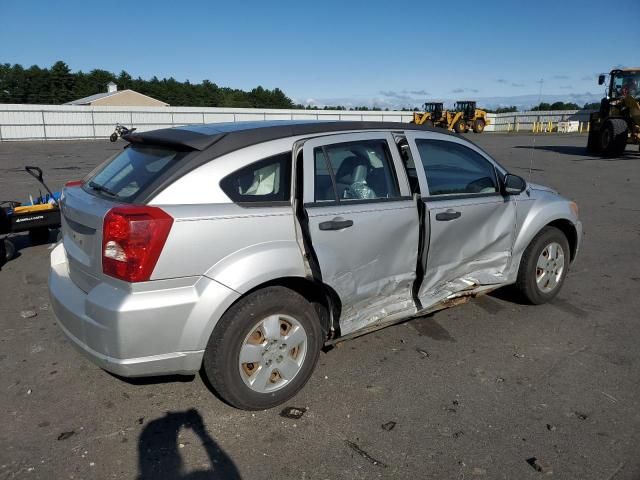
(264, 349)
(613, 137)
(428, 123)
(478, 125)
(544, 266)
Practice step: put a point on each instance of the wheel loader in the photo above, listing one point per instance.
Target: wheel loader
(432, 115)
(617, 123)
(464, 117)
(468, 117)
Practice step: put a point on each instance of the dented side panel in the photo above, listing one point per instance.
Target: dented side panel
(370, 265)
(371, 262)
(472, 250)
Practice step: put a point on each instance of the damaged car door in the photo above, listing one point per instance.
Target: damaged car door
(363, 225)
(471, 224)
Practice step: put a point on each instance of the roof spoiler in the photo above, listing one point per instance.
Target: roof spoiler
(174, 137)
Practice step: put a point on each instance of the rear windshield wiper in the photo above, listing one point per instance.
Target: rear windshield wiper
(101, 188)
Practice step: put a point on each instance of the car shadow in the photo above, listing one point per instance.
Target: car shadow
(509, 294)
(579, 152)
(159, 454)
(154, 380)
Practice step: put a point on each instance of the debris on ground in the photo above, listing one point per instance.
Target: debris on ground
(388, 426)
(478, 471)
(28, 313)
(423, 353)
(499, 380)
(294, 413)
(580, 415)
(353, 446)
(66, 435)
(518, 355)
(550, 427)
(539, 466)
(458, 434)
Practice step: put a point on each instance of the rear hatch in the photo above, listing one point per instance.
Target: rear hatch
(116, 182)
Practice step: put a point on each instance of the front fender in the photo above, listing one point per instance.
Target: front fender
(257, 264)
(534, 213)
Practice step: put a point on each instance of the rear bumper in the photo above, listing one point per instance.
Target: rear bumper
(156, 331)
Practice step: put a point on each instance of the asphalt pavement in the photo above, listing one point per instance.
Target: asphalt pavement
(490, 389)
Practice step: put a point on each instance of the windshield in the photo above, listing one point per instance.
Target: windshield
(132, 171)
(624, 81)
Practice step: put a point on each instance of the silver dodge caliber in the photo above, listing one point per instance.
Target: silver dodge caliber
(240, 249)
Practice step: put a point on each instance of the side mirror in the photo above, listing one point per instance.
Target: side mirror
(601, 80)
(513, 184)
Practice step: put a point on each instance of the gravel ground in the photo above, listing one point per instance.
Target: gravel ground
(490, 389)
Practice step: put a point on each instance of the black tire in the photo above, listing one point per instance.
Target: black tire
(613, 137)
(478, 125)
(7, 251)
(593, 141)
(460, 126)
(428, 123)
(113, 137)
(221, 365)
(526, 283)
(39, 236)
(3, 253)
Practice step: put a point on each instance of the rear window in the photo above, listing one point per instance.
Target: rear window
(132, 171)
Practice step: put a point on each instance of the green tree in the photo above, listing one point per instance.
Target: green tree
(59, 85)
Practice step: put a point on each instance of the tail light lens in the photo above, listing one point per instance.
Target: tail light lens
(132, 240)
(73, 183)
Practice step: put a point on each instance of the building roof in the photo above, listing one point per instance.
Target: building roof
(92, 98)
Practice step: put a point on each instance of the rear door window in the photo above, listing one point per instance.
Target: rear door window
(359, 170)
(132, 171)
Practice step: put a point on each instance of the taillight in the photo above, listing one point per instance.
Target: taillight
(132, 240)
(73, 183)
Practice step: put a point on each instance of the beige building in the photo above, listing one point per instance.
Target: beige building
(118, 98)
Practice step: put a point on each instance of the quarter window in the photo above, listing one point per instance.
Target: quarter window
(452, 168)
(268, 180)
(360, 170)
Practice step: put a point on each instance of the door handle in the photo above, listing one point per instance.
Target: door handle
(335, 224)
(448, 215)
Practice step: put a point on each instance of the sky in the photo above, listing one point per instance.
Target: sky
(391, 54)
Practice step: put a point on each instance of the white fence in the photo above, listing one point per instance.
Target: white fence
(58, 122)
(525, 121)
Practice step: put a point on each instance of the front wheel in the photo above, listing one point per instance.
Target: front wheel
(544, 266)
(613, 137)
(460, 126)
(264, 349)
